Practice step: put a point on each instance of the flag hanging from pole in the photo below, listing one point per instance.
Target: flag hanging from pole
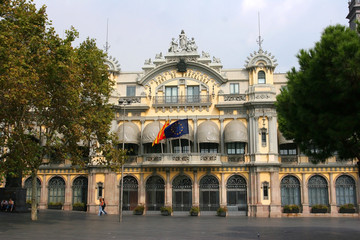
(161, 134)
(177, 129)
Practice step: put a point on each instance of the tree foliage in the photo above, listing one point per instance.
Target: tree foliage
(320, 108)
(53, 96)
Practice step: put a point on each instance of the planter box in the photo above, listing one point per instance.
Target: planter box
(138, 212)
(222, 214)
(79, 209)
(57, 207)
(194, 214)
(319, 210)
(165, 213)
(291, 211)
(347, 210)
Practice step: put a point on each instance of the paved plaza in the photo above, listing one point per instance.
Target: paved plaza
(55, 225)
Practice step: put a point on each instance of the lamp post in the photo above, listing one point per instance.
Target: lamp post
(123, 102)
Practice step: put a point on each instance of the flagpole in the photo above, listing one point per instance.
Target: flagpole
(161, 145)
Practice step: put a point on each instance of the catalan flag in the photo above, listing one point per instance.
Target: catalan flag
(177, 129)
(161, 134)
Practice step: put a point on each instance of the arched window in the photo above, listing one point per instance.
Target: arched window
(236, 193)
(130, 193)
(28, 187)
(80, 188)
(318, 191)
(261, 77)
(209, 193)
(56, 190)
(345, 190)
(182, 193)
(155, 193)
(290, 191)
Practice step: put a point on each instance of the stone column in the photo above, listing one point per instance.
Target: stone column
(68, 193)
(195, 200)
(223, 200)
(168, 192)
(258, 188)
(256, 134)
(275, 207)
(272, 135)
(305, 194)
(252, 193)
(91, 193)
(332, 192)
(142, 189)
(44, 193)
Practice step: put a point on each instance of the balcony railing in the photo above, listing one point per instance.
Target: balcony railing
(187, 100)
(289, 159)
(236, 158)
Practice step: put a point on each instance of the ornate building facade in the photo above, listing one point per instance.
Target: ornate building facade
(233, 156)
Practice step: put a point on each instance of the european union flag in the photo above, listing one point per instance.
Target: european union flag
(177, 129)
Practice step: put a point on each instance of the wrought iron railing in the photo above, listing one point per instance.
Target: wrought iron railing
(182, 100)
(289, 159)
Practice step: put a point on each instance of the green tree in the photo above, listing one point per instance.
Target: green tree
(320, 108)
(53, 96)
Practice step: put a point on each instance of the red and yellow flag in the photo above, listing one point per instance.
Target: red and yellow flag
(161, 134)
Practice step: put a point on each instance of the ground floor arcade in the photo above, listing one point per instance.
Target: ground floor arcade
(260, 191)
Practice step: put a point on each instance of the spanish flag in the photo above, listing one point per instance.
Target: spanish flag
(161, 134)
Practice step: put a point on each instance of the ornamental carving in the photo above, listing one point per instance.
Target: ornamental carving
(153, 159)
(182, 44)
(208, 158)
(236, 181)
(290, 182)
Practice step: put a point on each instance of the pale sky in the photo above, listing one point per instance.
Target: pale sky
(226, 29)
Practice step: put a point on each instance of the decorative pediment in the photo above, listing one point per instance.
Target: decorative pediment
(182, 50)
(260, 59)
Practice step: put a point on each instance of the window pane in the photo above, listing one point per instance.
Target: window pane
(234, 88)
(130, 91)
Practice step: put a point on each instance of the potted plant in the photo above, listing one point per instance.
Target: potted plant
(194, 211)
(79, 206)
(319, 208)
(139, 210)
(166, 211)
(347, 208)
(221, 212)
(291, 208)
(55, 205)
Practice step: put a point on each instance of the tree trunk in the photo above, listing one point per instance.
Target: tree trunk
(34, 215)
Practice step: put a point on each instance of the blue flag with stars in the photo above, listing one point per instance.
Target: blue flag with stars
(177, 129)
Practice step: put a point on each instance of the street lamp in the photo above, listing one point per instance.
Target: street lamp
(122, 102)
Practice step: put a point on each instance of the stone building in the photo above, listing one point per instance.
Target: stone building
(233, 156)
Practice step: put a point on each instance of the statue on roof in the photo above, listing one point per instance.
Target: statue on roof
(182, 40)
(173, 46)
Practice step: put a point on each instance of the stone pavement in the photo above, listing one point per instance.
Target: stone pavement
(55, 224)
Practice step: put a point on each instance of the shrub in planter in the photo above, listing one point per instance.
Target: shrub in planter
(166, 211)
(194, 211)
(347, 208)
(55, 205)
(221, 212)
(79, 207)
(139, 210)
(319, 208)
(291, 208)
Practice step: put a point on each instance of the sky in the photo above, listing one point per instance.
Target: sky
(226, 29)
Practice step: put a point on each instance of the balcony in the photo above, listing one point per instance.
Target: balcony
(187, 101)
(186, 159)
(289, 159)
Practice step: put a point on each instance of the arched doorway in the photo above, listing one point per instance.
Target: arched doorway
(130, 193)
(28, 187)
(56, 191)
(155, 193)
(236, 194)
(318, 191)
(182, 193)
(345, 190)
(209, 193)
(80, 190)
(290, 191)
